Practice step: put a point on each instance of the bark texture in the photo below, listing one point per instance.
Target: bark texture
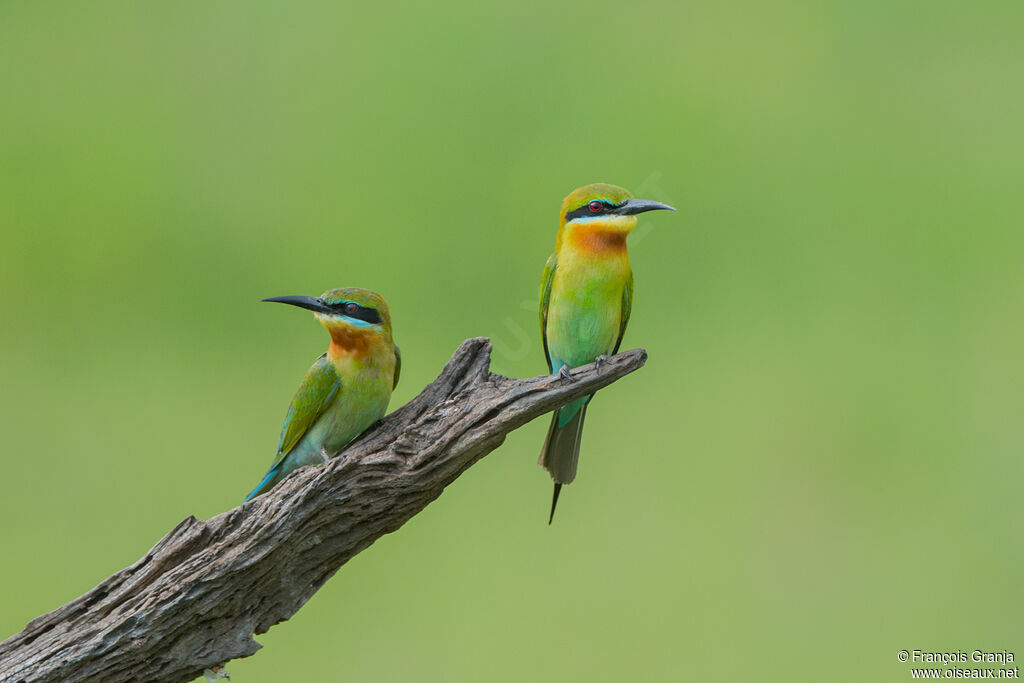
(200, 594)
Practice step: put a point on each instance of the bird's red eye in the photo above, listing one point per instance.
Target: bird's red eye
(351, 308)
(595, 207)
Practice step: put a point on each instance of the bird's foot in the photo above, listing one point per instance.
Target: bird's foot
(325, 455)
(564, 373)
(599, 361)
(216, 673)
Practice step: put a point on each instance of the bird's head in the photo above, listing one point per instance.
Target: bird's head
(603, 211)
(356, 318)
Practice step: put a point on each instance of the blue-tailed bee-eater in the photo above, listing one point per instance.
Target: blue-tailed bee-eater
(586, 294)
(346, 390)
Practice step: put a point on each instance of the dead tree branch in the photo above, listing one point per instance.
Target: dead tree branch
(199, 595)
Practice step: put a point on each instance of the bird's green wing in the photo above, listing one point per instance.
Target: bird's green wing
(545, 299)
(627, 308)
(398, 366)
(316, 392)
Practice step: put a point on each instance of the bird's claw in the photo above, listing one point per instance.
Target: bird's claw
(564, 373)
(598, 362)
(216, 673)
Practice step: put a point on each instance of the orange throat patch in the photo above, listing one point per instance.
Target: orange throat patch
(351, 341)
(598, 238)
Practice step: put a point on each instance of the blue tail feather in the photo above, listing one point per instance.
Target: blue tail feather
(567, 412)
(256, 491)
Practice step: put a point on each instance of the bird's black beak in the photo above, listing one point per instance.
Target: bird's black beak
(311, 303)
(635, 206)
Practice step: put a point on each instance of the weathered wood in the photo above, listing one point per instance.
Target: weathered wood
(199, 595)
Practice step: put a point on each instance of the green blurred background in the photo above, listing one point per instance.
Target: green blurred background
(820, 464)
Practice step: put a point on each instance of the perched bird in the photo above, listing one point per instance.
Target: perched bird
(585, 297)
(346, 390)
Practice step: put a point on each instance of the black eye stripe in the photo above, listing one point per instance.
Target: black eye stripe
(584, 210)
(364, 313)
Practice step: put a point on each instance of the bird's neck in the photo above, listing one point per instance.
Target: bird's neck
(352, 344)
(594, 239)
